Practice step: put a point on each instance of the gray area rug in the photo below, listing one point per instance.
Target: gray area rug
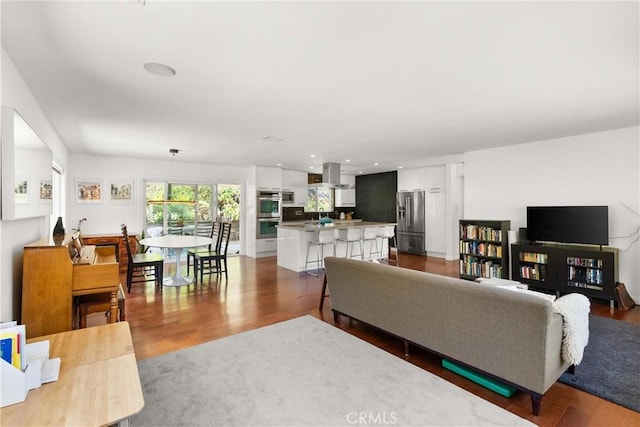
(610, 366)
(302, 372)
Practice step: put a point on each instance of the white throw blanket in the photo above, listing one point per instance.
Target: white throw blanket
(574, 309)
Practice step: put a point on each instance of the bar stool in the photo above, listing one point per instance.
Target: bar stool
(389, 232)
(371, 235)
(320, 239)
(351, 235)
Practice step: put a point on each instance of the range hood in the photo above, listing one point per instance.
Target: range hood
(331, 177)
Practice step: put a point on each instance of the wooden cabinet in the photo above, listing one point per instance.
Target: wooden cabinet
(114, 240)
(484, 249)
(563, 269)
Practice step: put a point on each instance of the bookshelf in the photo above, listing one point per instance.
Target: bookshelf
(484, 249)
(588, 270)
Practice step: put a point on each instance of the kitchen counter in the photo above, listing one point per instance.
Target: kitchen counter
(293, 238)
(315, 226)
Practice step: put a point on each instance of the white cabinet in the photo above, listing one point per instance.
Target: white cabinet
(266, 245)
(435, 212)
(411, 179)
(346, 197)
(295, 181)
(268, 178)
(435, 178)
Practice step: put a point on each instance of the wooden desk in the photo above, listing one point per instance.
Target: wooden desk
(98, 382)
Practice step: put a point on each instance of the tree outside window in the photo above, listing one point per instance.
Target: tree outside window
(319, 199)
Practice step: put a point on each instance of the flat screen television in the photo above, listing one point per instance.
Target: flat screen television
(568, 224)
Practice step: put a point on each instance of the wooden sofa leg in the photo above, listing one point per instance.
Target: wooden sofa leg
(572, 369)
(535, 404)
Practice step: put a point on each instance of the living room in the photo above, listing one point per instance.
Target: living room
(593, 166)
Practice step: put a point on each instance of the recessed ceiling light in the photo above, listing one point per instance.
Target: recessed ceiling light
(159, 69)
(347, 161)
(311, 167)
(359, 171)
(399, 167)
(279, 164)
(313, 156)
(376, 164)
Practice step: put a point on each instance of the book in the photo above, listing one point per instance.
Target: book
(6, 349)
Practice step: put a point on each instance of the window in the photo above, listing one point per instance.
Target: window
(319, 199)
(173, 208)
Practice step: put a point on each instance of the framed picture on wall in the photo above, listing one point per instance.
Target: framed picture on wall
(121, 191)
(21, 190)
(45, 190)
(89, 190)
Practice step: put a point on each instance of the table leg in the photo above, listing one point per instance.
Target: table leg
(178, 279)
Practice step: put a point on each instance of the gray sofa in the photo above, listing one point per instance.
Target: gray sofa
(510, 336)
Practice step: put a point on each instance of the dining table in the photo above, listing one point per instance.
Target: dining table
(178, 243)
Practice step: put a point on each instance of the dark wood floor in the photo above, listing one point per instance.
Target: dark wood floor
(259, 293)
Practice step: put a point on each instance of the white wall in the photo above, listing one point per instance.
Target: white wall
(17, 233)
(107, 216)
(593, 169)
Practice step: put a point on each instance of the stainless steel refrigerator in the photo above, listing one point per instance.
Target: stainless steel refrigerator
(410, 216)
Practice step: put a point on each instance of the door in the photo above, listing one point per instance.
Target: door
(228, 200)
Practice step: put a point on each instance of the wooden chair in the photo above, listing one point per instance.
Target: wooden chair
(137, 268)
(96, 303)
(212, 261)
(213, 231)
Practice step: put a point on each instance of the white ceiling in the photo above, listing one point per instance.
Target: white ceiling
(386, 82)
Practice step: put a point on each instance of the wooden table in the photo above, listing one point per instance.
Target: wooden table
(98, 382)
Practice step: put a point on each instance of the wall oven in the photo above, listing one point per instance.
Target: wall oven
(267, 228)
(269, 204)
(269, 207)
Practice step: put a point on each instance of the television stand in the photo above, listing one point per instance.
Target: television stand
(563, 269)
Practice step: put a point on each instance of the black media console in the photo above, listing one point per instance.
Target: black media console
(562, 268)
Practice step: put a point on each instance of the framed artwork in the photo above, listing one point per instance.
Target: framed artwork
(89, 190)
(21, 189)
(121, 191)
(45, 189)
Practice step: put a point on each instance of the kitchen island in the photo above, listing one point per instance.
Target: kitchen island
(293, 238)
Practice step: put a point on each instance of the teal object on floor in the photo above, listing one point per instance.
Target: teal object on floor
(483, 380)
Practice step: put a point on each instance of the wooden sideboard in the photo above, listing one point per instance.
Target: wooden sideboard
(52, 276)
(112, 240)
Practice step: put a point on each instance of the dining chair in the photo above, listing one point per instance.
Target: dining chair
(137, 266)
(211, 262)
(214, 234)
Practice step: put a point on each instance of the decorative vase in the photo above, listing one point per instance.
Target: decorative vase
(58, 232)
